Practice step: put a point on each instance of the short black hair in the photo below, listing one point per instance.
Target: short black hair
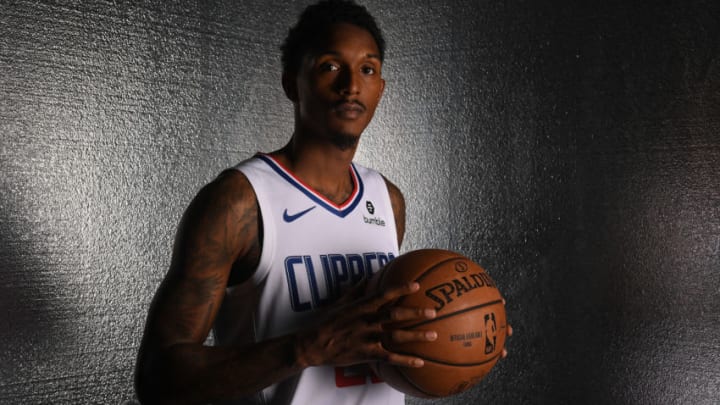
(314, 24)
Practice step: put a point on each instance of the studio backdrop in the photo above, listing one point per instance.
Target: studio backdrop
(572, 148)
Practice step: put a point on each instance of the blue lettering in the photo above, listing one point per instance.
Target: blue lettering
(369, 257)
(357, 268)
(327, 272)
(308, 289)
(295, 303)
(384, 259)
(314, 290)
(340, 273)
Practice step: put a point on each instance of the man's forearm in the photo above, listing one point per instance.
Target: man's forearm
(191, 373)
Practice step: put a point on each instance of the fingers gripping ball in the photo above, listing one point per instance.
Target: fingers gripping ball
(470, 323)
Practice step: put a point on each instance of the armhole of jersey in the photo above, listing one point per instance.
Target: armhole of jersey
(374, 176)
(268, 246)
(392, 217)
(268, 225)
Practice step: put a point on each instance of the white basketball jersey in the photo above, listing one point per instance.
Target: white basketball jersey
(313, 250)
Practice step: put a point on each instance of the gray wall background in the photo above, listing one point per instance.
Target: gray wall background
(572, 148)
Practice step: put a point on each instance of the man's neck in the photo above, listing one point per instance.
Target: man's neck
(321, 165)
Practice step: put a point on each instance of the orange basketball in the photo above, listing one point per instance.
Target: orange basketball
(470, 323)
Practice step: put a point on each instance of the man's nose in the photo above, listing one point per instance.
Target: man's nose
(348, 82)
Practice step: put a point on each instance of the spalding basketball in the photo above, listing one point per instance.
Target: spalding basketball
(470, 323)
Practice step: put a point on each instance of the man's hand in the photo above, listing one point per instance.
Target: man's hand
(352, 331)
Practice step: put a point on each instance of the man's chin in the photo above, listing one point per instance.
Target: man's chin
(344, 141)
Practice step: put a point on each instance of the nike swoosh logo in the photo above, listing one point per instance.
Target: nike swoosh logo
(290, 218)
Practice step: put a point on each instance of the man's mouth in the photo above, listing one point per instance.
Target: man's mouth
(349, 107)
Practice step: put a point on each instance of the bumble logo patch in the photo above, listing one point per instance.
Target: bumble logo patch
(372, 220)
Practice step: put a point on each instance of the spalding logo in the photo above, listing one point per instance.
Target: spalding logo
(445, 293)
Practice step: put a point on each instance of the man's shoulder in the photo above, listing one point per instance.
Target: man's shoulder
(362, 168)
(364, 171)
(231, 177)
(237, 178)
(231, 187)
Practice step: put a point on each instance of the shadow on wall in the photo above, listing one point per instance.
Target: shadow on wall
(30, 320)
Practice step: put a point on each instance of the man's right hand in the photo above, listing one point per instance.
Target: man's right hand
(351, 333)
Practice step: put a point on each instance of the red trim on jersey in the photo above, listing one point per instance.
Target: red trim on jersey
(348, 201)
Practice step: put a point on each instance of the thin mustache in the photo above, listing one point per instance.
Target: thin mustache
(356, 102)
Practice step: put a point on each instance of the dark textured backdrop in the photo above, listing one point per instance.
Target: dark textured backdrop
(573, 148)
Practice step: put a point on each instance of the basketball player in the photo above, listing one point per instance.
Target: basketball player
(273, 253)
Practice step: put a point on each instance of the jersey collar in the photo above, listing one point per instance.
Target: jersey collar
(341, 210)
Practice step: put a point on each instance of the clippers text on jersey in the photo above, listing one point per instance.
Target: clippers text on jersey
(317, 280)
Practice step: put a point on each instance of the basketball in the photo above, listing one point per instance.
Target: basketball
(470, 323)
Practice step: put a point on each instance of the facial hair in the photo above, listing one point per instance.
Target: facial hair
(344, 141)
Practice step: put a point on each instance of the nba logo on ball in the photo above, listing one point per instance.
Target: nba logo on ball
(470, 323)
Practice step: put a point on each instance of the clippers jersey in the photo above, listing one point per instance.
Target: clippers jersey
(313, 250)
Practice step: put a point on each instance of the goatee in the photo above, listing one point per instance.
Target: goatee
(344, 141)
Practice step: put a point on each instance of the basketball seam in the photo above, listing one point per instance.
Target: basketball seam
(447, 363)
(436, 265)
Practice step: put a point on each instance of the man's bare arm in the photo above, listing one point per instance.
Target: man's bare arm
(219, 226)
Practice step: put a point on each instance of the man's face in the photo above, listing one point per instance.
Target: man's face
(339, 85)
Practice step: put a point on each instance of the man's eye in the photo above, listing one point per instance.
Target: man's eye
(368, 70)
(329, 67)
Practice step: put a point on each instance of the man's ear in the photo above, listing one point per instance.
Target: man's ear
(289, 83)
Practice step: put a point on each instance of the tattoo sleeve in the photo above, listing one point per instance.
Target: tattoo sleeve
(218, 228)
